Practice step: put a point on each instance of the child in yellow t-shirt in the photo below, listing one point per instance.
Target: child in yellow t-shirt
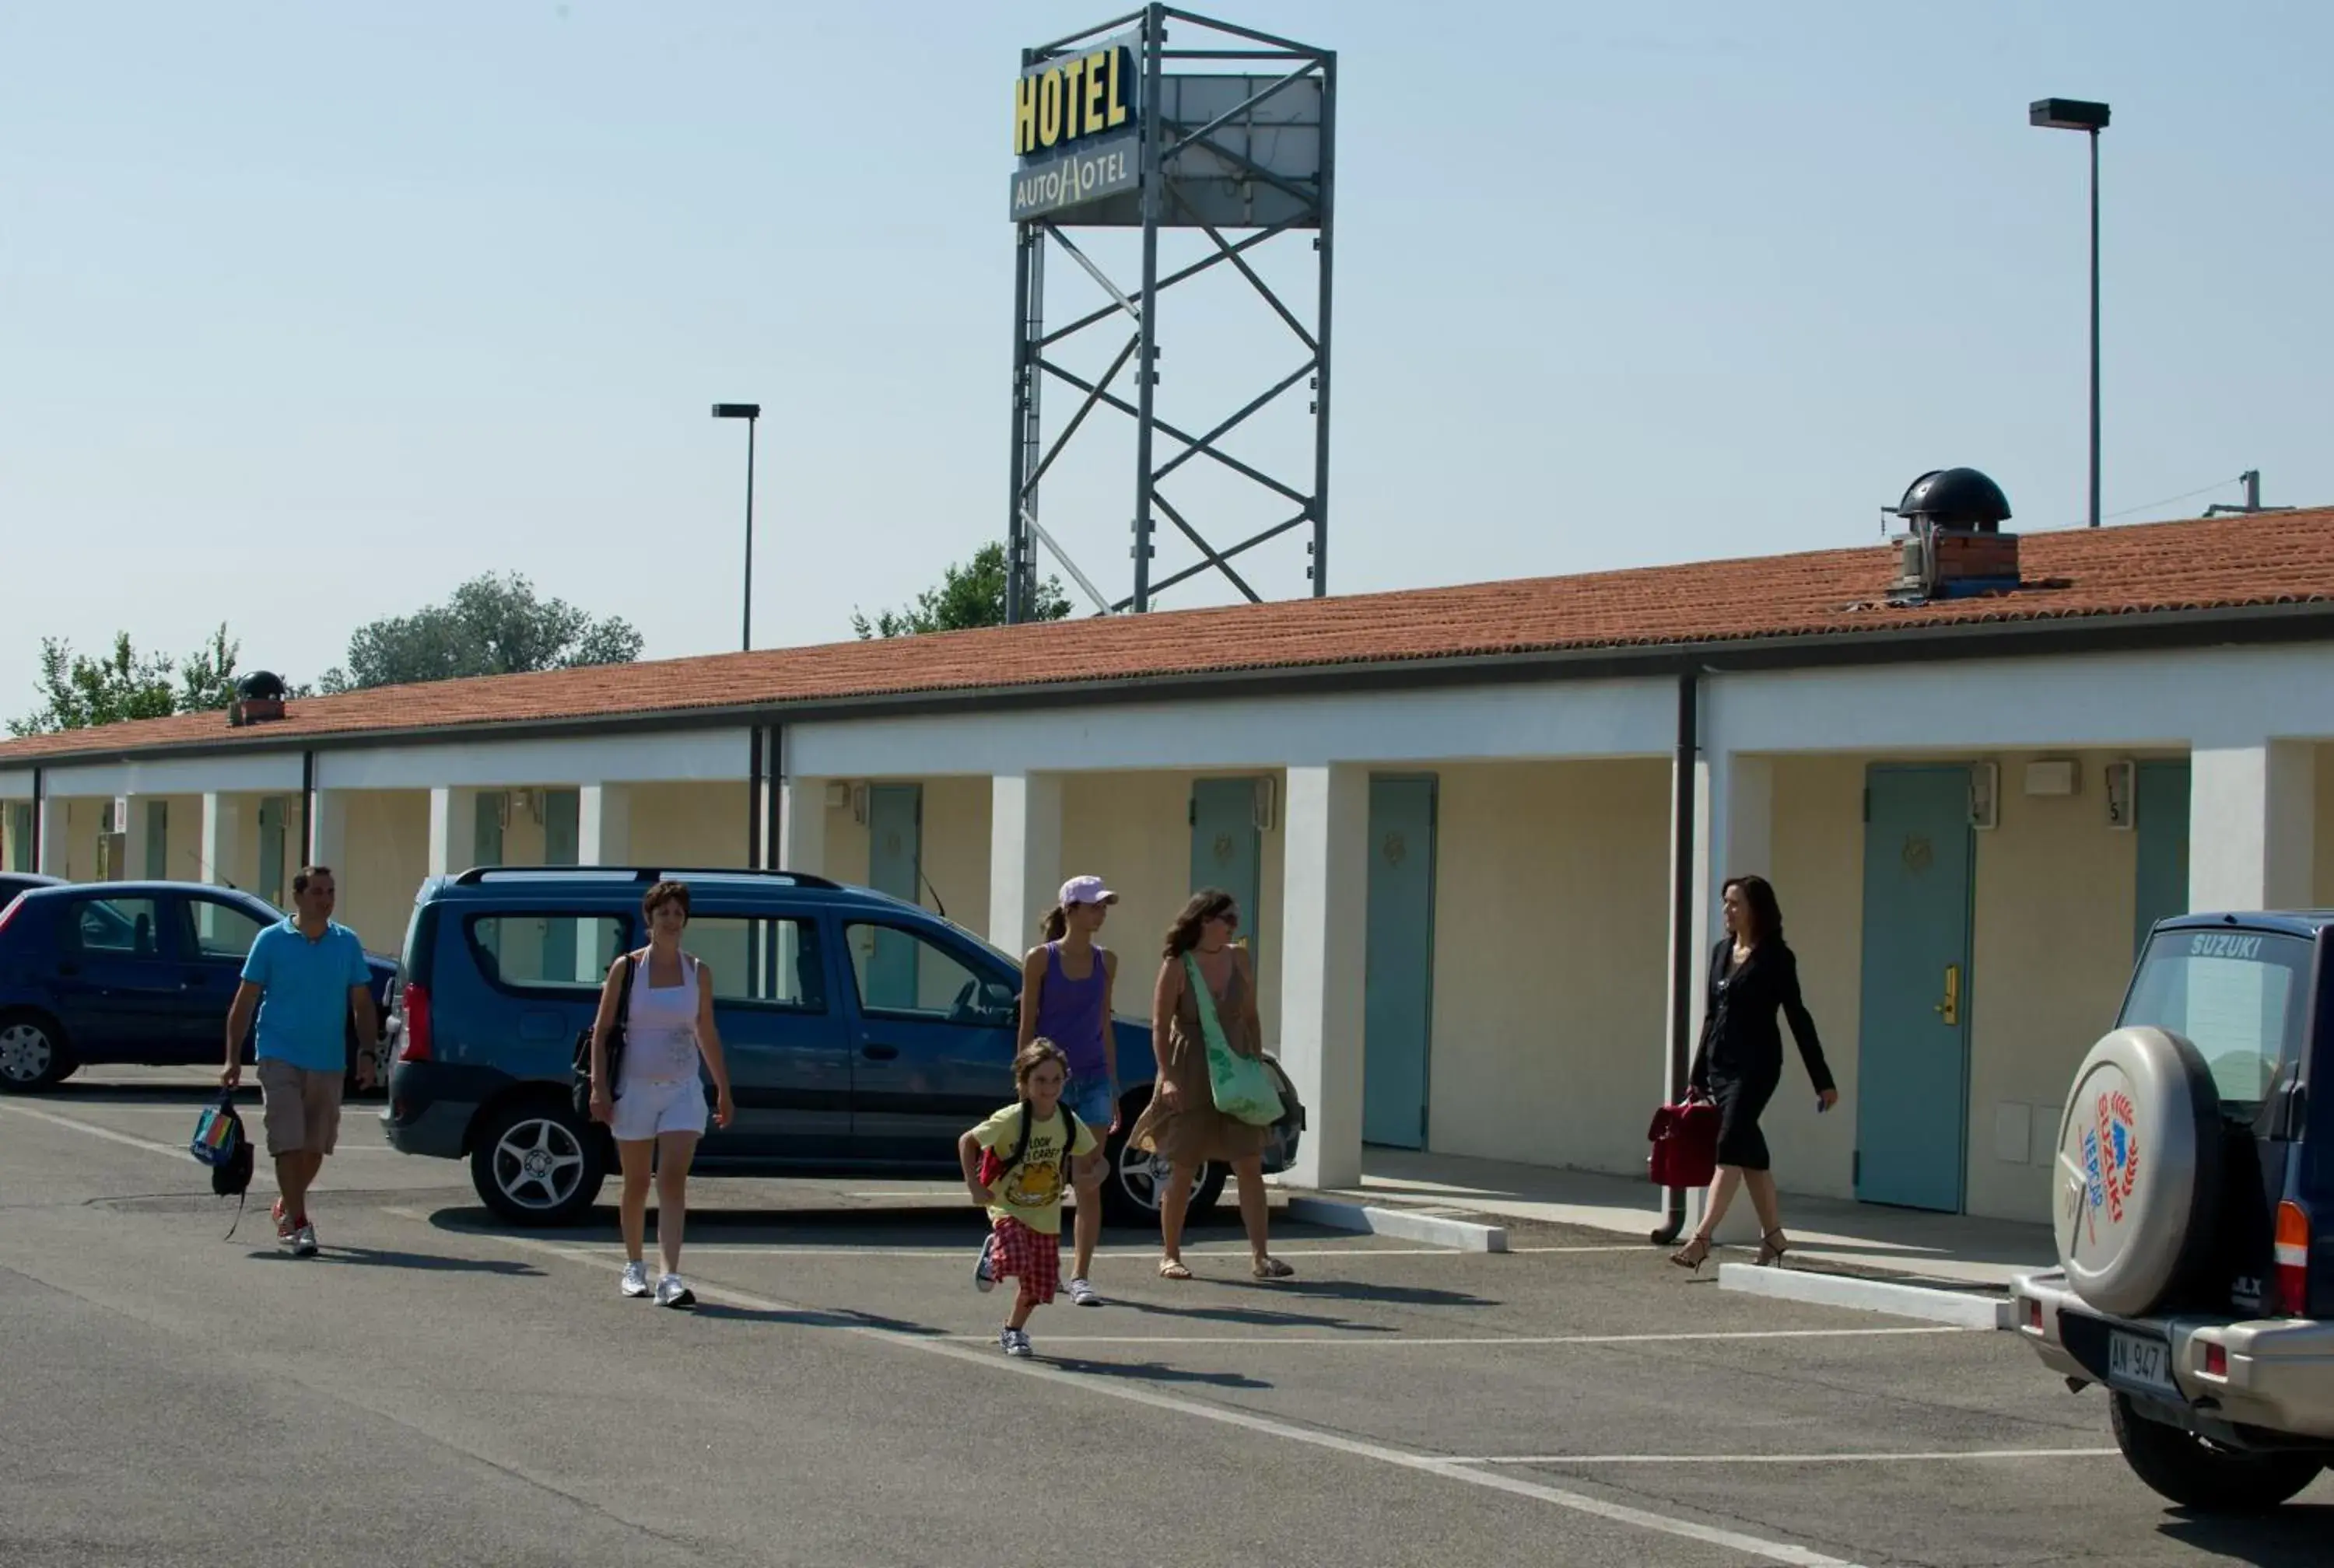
(1023, 1191)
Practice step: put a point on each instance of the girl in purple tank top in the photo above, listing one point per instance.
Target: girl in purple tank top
(1065, 988)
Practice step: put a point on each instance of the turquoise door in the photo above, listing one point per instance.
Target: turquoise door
(2160, 818)
(1226, 848)
(895, 818)
(272, 884)
(1912, 1053)
(1397, 1008)
(562, 846)
(158, 842)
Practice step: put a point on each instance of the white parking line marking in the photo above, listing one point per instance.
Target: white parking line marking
(1790, 1458)
(1390, 1341)
(175, 1151)
(963, 1251)
(1401, 1458)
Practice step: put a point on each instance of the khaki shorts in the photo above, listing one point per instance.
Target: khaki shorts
(303, 1108)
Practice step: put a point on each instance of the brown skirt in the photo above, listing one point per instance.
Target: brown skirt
(1197, 1133)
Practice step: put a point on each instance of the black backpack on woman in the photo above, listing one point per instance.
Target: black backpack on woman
(580, 1087)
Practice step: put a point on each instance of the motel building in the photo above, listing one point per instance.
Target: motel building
(1477, 833)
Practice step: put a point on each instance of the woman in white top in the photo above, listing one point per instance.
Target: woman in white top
(656, 1107)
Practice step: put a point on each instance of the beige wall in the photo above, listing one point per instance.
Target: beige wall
(2053, 904)
(2322, 891)
(690, 824)
(1134, 829)
(385, 852)
(955, 848)
(1551, 953)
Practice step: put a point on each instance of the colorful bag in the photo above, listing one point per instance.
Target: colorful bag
(1686, 1144)
(1242, 1085)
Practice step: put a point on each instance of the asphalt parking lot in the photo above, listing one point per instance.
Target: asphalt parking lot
(440, 1388)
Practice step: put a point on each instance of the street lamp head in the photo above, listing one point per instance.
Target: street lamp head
(2066, 114)
(737, 410)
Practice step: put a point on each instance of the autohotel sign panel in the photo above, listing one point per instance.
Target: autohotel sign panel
(1077, 128)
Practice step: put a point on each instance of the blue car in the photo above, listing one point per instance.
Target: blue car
(863, 1033)
(95, 973)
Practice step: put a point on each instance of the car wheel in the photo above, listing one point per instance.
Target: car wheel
(32, 1054)
(1130, 1187)
(536, 1164)
(2205, 1476)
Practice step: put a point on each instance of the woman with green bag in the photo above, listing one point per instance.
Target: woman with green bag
(1214, 1100)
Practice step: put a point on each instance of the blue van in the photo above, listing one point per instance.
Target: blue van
(863, 1033)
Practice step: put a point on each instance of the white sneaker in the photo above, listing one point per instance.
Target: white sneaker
(1084, 1294)
(304, 1242)
(671, 1293)
(984, 1273)
(636, 1279)
(1016, 1342)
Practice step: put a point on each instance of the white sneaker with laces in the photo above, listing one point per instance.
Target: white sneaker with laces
(1016, 1343)
(1084, 1294)
(636, 1279)
(671, 1293)
(984, 1273)
(304, 1242)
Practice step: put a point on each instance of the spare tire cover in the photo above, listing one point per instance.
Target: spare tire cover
(2137, 1170)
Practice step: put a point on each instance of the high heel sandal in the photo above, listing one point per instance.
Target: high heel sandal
(1770, 1253)
(1693, 1255)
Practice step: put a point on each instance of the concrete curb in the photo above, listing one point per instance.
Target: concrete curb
(1962, 1308)
(1433, 1228)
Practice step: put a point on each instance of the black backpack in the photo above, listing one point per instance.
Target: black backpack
(580, 1085)
(221, 1144)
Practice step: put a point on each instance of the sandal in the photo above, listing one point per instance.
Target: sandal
(1693, 1255)
(1770, 1253)
(1271, 1268)
(1172, 1268)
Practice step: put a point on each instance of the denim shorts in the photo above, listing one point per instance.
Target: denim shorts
(1089, 1100)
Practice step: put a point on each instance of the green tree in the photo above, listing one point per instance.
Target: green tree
(490, 626)
(969, 595)
(78, 691)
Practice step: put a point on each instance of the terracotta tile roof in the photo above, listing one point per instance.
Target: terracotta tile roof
(2192, 565)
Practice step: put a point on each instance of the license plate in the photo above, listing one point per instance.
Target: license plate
(2141, 1364)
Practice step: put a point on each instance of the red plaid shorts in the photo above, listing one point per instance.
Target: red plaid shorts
(1031, 1256)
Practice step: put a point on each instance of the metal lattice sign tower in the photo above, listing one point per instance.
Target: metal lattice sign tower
(1105, 136)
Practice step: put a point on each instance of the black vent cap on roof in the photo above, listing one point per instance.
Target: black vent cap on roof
(262, 686)
(1956, 498)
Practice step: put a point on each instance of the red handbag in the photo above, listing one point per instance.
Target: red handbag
(1686, 1144)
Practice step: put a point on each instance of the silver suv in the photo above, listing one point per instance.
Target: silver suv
(2194, 1207)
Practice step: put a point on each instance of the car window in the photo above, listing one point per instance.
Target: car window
(771, 961)
(2240, 997)
(905, 974)
(126, 928)
(543, 950)
(223, 931)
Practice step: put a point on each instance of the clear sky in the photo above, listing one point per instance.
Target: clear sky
(309, 312)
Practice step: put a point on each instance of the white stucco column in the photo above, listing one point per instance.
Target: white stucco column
(1735, 836)
(604, 825)
(453, 829)
(1324, 946)
(1025, 855)
(56, 846)
(2252, 814)
(802, 826)
(328, 832)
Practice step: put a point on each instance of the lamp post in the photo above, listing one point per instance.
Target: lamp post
(751, 413)
(2075, 114)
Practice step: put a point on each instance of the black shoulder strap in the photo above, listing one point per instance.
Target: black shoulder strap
(1069, 1139)
(624, 995)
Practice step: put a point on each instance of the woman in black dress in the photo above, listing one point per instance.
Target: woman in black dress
(1739, 1061)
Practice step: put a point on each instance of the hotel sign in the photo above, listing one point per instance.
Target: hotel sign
(1077, 129)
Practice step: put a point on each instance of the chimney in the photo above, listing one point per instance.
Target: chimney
(1955, 548)
(258, 699)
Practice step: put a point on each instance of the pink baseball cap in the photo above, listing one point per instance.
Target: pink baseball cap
(1085, 891)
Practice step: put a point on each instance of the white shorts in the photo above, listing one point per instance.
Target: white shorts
(643, 1110)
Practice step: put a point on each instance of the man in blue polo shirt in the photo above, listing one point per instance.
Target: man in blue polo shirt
(305, 977)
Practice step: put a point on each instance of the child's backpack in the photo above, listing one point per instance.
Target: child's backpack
(219, 1143)
(994, 1165)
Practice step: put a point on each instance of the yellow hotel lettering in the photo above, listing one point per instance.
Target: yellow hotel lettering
(1070, 100)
